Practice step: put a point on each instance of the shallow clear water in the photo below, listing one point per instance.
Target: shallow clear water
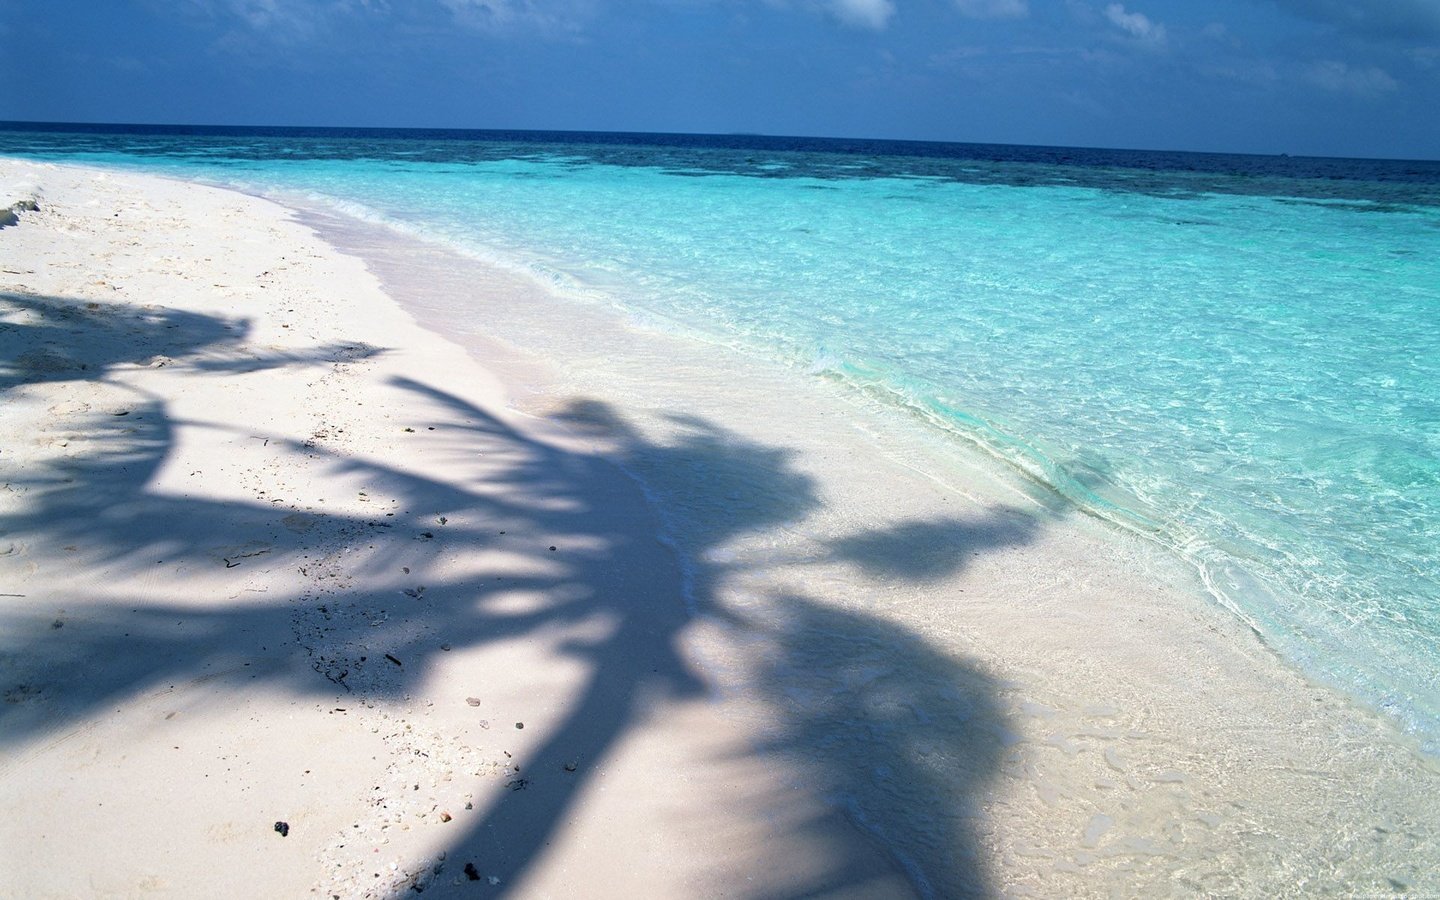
(1239, 356)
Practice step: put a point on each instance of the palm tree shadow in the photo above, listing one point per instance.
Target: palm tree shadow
(897, 733)
(45, 339)
(901, 736)
(49, 339)
(922, 550)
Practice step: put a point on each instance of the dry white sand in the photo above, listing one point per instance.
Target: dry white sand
(272, 552)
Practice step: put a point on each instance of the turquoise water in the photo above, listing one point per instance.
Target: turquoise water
(1239, 357)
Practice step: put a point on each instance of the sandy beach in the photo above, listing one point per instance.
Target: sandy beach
(311, 585)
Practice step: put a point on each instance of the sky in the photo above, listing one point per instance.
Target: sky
(1305, 77)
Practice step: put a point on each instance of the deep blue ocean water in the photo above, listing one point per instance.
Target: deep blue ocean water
(1236, 355)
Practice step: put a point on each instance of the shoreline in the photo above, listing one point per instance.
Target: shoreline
(951, 689)
(1228, 565)
(1243, 562)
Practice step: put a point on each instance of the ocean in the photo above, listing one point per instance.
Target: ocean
(1236, 357)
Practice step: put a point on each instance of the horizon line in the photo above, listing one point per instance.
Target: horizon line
(8, 123)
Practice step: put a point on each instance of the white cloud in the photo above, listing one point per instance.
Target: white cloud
(1362, 81)
(863, 13)
(1425, 57)
(285, 20)
(993, 9)
(299, 19)
(1220, 34)
(1399, 20)
(1137, 25)
(500, 15)
(876, 14)
(1258, 74)
(270, 13)
(296, 20)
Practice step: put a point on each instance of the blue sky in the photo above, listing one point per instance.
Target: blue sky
(1326, 77)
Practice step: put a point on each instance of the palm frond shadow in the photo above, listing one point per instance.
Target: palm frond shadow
(898, 733)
